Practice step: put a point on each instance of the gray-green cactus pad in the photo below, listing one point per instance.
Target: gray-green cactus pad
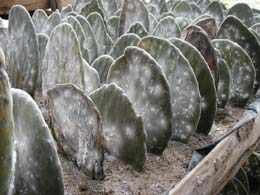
(153, 10)
(79, 4)
(243, 12)
(224, 80)
(205, 80)
(138, 29)
(49, 25)
(123, 42)
(199, 39)
(77, 128)
(58, 66)
(6, 132)
(113, 27)
(42, 40)
(90, 41)
(196, 10)
(80, 34)
(255, 33)
(98, 27)
(167, 28)
(160, 5)
(66, 10)
(124, 134)
(256, 28)
(102, 65)
(153, 22)
(39, 18)
(233, 29)
(142, 79)
(133, 11)
(183, 9)
(2, 58)
(109, 7)
(23, 59)
(185, 96)
(209, 25)
(170, 4)
(91, 7)
(241, 69)
(37, 164)
(215, 10)
(165, 14)
(182, 22)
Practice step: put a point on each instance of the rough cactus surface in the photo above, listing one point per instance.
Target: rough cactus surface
(98, 27)
(185, 96)
(113, 27)
(91, 7)
(199, 39)
(124, 133)
(122, 42)
(53, 20)
(167, 28)
(39, 18)
(58, 67)
(243, 12)
(142, 79)
(183, 9)
(215, 10)
(160, 5)
(7, 138)
(2, 58)
(90, 41)
(153, 22)
(79, 4)
(37, 164)
(138, 29)
(80, 35)
(241, 69)
(233, 29)
(224, 80)
(22, 61)
(166, 14)
(256, 28)
(77, 128)
(133, 11)
(205, 80)
(196, 10)
(209, 25)
(109, 7)
(66, 10)
(102, 65)
(42, 40)
(182, 23)
(153, 10)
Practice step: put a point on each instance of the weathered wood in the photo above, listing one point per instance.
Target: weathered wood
(31, 5)
(63, 3)
(222, 163)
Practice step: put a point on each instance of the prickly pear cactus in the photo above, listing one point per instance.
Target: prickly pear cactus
(91, 7)
(90, 41)
(80, 35)
(118, 12)
(243, 12)
(183, 9)
(142, 79)
(37, 164)
(91, 77)
(224, 80)
(58, 67)
(138, 29)
(195, 10)
(125, 136)
(77, 128)
(233, 29)
(209, 25)
(167, 28)
(39, 18)
(102, 65)
(199, 39)
(215, 10)
(153, 10)
(23, 59)
(113, 27)
(153, 22)
(7, 139)
(109, 7)
(66, 10)
(256, 28)
(205, 80)
(255, 34)
(160, 5)
(241, 69)
(185, 96)
(166, 14)
(42, 40)
(170, 4)
(2, 58)
(123, 42)
(182, 23)
(133, 11)
(79, 4)
(53, 21)
(98, 27)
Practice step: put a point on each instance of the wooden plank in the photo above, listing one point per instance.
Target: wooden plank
(222, 163)
(31, 5)
(63, 3)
